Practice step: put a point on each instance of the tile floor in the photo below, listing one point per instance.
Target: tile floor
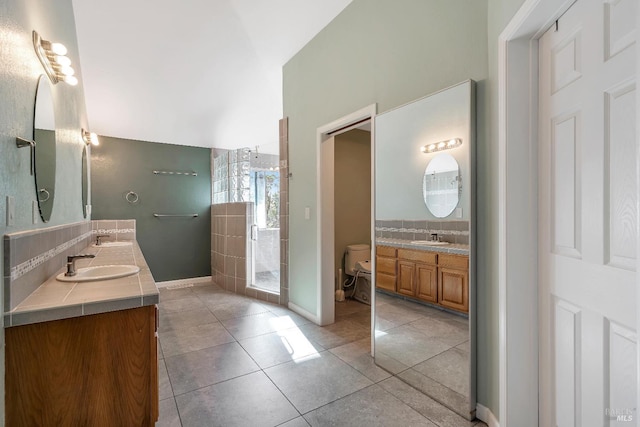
(426, 347)
(229, 360)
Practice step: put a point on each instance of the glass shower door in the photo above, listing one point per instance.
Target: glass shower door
(265, 193)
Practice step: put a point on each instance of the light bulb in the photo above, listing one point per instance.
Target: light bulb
(70, 80)
(442, 144)
(452, 142)
(61, 60)
(58, 48)
(94, 138)
(423, 148)
(432, 147)
(67, 71)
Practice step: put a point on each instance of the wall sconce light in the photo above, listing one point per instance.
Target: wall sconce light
(90, 138)
(442, 145)
(53, 59)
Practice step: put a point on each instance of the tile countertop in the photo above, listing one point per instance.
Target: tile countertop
(55, 300)
(452, 248)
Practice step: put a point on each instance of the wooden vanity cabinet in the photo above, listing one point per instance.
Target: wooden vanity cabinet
(417, 274)
(438, 278)
(94, 370)
(386, 268)
(453, 282)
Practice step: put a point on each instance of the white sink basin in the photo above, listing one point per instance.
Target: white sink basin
(429, 243)
(111, 244)
(99, 272)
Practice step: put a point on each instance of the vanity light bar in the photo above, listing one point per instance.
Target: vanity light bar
(53, 60)
(90, 138)
(442, 145)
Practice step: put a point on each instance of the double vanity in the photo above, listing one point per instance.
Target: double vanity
(82, 349)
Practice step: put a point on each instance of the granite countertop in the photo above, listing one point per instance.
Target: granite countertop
(452, 248)
(55, 300)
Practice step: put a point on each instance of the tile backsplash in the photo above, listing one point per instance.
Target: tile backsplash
(121, 229)
(31, 257)
(449, 231)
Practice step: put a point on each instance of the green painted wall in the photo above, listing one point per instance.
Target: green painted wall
(19, 72)
(389, 53)
(175, 248)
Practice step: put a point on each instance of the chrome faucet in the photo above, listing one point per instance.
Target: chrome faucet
(101, 236)
(71, 263)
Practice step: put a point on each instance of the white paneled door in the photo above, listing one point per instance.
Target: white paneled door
(588, 216)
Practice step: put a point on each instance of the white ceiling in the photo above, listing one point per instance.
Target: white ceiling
(204, 73)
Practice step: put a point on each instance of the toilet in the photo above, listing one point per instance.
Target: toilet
(357, 267)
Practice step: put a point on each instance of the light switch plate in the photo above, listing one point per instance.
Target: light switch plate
(307, 212)
(11, 211)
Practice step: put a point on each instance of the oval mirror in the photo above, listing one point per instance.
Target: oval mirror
(44, 135)
(85, 182)
(441, 185)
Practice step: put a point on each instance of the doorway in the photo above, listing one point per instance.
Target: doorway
(518, 217)
(327, 280)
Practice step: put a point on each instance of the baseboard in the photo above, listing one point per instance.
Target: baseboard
(180, 282)
(304, 313)
(484, 414)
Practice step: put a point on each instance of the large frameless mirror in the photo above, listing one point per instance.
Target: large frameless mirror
(44, 135)
(85, 182)
(424, 311)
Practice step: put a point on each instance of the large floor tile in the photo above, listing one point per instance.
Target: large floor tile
(425, 405)
(358, 355)
(217, 299)
(167, 294)
(251, 326)
(450, 368)
(337, 334)
(206, 288)
(444, 395)
(202, 368)
(280, 347)
(193, 338)
(448, 332)
(317, 381)
(181, 304)
(396, 314)
(371, 406)
(296, 422)
(164, 385)
(237, 309)
(251, 400)
(350, 306)
(184, 319)
(408, 346)
(168, 416)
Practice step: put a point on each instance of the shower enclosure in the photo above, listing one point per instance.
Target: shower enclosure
(265, 232)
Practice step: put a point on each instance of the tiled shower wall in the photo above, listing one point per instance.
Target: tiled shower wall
(284, 211)
(231, 249)
(450, 231)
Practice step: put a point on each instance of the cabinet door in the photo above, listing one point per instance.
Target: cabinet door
(406, 278)
(386, 282)
(427, 282)
(94, 370)
(453, 289)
